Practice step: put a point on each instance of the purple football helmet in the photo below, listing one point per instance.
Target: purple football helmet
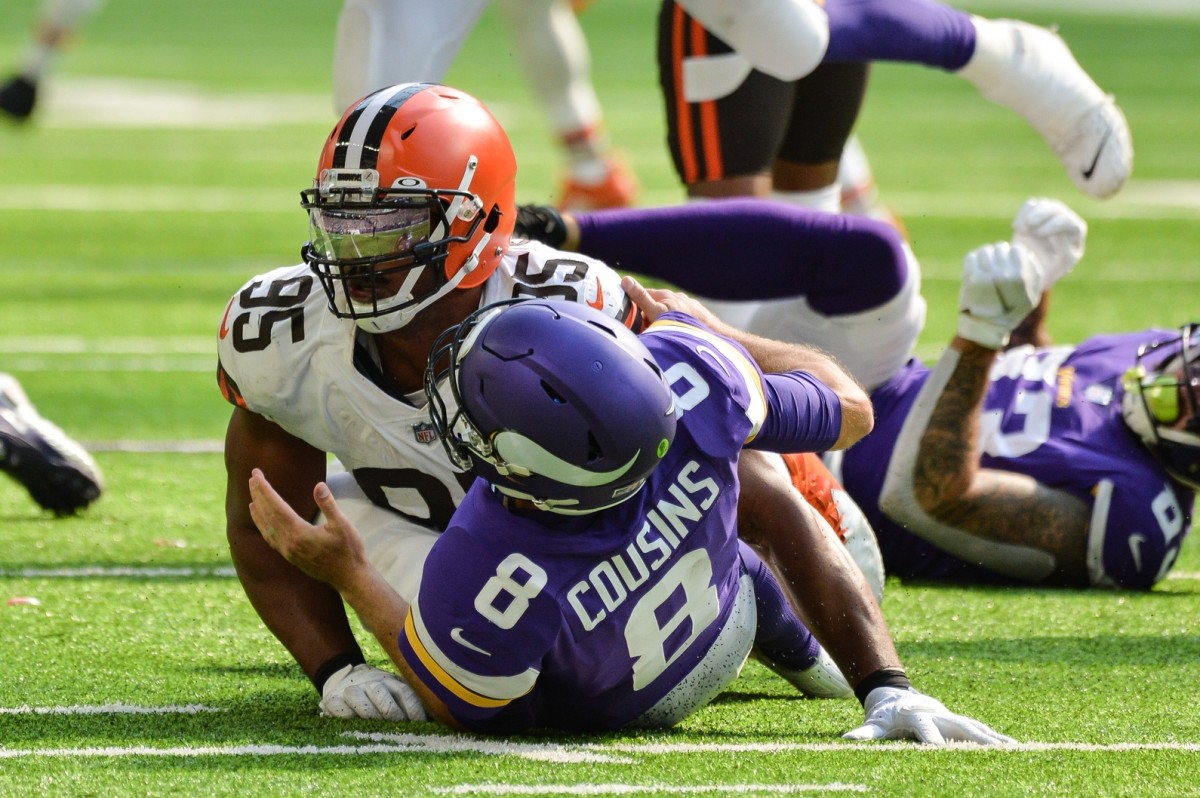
(1158, 400)
(554, 402)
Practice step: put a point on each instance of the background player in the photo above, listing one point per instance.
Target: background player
(986, 476)
(58, 473)
(383, 42)
(54, 28)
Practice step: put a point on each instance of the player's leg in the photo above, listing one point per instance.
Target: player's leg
(821, 489)
(551, 47)
(825, 586)
(783, 643)
(825, 106)
(54, 29)
(58, 473)
(725, 120)
(382, 42)
(859, 193)
(1023, 67)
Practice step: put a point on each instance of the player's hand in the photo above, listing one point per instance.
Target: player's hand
(332, 552)
(1001, 284)
(895, 713)
(541, 223)
(1053, 233)
(654, 302)
(360, 691)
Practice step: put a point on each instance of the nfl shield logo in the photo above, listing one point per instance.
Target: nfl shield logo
(424, 433)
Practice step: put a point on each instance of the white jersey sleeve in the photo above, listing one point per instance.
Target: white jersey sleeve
(533, 269)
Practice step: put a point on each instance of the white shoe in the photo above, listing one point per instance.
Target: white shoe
(1031, 70)
(820, 680)
(58, 473)
(1098, 151)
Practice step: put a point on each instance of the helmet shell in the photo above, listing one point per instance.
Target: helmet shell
(572, 407)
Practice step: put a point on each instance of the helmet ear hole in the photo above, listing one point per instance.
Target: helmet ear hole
(493, 219)
(555, 397)
(595, 450)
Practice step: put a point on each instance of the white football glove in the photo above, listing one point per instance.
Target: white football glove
(360, 691)
(1053, 233)
(1001, 284)
(897, 713)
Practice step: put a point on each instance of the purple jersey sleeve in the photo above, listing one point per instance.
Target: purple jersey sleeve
(805, 414)
(1053, 414)
(750, 249)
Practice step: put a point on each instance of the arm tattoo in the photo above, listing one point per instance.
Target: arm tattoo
(1003, 506)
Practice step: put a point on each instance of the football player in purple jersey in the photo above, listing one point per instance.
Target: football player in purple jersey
(1061, 465)
(592, 578)
(1010, 461)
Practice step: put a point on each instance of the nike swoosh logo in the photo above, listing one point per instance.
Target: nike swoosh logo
(1135, 549)
(1007, 308)
(1087, 173)
(456, 634)
(224, 331)
(598, 303)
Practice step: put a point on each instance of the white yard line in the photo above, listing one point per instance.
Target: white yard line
(118, 571)
(378, 743)
(657, 789)
(111, 709)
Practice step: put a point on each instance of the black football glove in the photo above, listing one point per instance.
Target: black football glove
(540, 223)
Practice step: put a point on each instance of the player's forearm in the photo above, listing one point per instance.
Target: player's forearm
(948, 457)
(383, 611)
(858, 415)
(305, 615)
(1003, 507)
(827, 589)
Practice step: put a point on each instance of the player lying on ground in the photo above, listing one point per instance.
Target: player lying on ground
(1064, 465)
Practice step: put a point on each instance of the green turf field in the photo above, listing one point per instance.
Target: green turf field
(163, 171)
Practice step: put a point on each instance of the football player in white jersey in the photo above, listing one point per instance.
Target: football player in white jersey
(412, 214)
(383, 42)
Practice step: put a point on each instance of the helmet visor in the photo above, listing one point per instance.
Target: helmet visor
(367, 234)
(1172, 391)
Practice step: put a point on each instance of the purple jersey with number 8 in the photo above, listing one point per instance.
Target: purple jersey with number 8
(634, 615)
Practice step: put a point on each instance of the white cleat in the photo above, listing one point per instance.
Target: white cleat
(1031, 70)
(58, 473)
(822, 679)
(1098, 150)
